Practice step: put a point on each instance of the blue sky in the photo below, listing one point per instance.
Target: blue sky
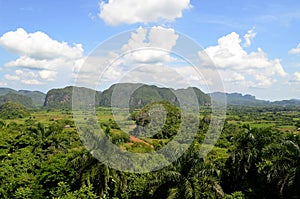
(253, 44)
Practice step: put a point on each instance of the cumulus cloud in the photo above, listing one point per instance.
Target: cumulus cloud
(296, 77)
(150, 45)
(38, 45)
(11, 77)
(147, 52)
(232, 76)
(144, 47)
(248, 37)
(116, 12)
(31, 82)
(296, 50)
(40, 57)
(230, 56)
(25, 77)
(47, 75)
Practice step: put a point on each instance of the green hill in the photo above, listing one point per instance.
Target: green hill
(139, 95)
(238, 99)
(4, 91)
(62, 98)
(16, 98)
(152, 122)
(11, 110)
(291, 102)
(38, 98)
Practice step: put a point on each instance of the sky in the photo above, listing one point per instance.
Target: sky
(250, 47)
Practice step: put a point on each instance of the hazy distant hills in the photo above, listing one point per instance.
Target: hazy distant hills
(38, 98)
(291, 102)
(24, 97)
(138, 95)
(239, 99)
(250, 100)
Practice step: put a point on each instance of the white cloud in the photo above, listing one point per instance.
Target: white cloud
(254, 67)
(156, 50)
(47, 75)
(38, 45)
(40, 57)
(25, 76)
(144, 47)
(296, 77)
(231, 76)
(263, 81)
(3, 84)
(52, 64)
(248, 37)
(11, 77)
(116, 12)
(295, 50)
(146, 50)
(32, 82)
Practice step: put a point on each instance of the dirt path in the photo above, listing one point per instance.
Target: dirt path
(135, 139)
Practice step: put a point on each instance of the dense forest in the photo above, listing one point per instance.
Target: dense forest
(256, 156)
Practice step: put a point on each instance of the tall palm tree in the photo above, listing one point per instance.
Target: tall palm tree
(241, 172)
(285, 167)
(189, 177)
(107, 182)
(47, 139)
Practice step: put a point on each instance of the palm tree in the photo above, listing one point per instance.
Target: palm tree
(285, 167)
(107, 182)
(241, 172)
(189, 177)
(47, 139)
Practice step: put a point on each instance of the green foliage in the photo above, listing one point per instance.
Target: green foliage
(146, 94)
(54, 170)
(62, 98)
(297, 124)
(37, 97)
(16, 98)
(63, 192)
(235, 195)
(11, 110)
(40, 158)
(159, 119)
(27, 98)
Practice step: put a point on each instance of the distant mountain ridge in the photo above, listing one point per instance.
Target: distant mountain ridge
(250, 100)
(24, 97)
(145, 94)
(142, 95)
(238, 99)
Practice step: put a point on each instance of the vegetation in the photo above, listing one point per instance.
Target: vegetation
(16, 98)
(141, 96)
(27, 98)
(256, 156)
(10, 110)
(38, 98)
